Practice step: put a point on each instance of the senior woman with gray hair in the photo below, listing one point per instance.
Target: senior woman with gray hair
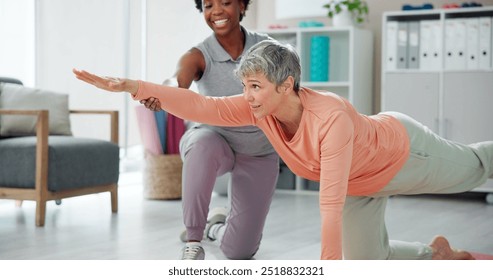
(359, 160)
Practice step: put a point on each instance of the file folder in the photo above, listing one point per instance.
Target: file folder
(472, 43)
(413, 45)
(436, 45)
(425, 45)
(402, 45)
(391, 46)
(455, 44)
(485, 42)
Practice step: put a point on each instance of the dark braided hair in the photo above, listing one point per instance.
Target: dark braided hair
(198, 5)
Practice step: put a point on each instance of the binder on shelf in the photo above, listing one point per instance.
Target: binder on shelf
(472, 43)
(402, 45)
(425, 44)
(430, 45)
(485, 45)
(391, 46)
(413, 45)
(436, 59)
(455, 44)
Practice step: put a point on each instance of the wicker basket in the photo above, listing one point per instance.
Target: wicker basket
(162, 176)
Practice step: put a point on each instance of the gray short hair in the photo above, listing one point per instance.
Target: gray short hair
(272, 59)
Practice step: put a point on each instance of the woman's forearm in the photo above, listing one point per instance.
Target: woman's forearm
(186, 104)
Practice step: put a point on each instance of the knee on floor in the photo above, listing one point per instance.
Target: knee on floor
(238, 253)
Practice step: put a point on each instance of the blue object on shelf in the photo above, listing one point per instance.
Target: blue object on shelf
(310, 24)
(426, 6)
(471, 5)
(319, 58)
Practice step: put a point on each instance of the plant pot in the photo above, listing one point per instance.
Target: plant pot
(344, 18)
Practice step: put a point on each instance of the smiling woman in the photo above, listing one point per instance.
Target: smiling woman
(244, 153)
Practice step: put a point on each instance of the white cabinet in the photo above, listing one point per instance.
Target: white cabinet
(350, 67)
(453, 96)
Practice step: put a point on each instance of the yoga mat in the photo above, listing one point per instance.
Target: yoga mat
(148, 130)
(161, 120)
(319, 58)
(174, 131)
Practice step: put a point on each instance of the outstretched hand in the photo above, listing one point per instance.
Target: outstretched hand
(107, 83)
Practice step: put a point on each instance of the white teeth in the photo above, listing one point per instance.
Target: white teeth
(220, 22)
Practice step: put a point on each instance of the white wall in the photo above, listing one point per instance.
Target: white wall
(17, 40)
(173, 28)
(85, 34)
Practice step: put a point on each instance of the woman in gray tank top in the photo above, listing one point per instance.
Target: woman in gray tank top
(209, 152)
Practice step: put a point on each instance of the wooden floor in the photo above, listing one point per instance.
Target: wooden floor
(84, 228)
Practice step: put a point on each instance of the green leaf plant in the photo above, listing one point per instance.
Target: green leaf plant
(357, 8)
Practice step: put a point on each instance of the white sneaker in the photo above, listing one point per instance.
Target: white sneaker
(216, 216)
(193, 251)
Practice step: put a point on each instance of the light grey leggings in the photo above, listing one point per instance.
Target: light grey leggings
(206, 155)
(435, 165)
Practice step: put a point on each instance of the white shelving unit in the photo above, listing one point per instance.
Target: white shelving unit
(456, 104)
(350, 66)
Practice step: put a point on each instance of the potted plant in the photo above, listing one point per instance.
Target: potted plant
(346, 12)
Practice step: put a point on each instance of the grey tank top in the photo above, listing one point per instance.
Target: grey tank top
(219, 79)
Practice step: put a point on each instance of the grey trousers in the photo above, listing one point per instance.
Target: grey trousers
(435, 165)
(207, 155)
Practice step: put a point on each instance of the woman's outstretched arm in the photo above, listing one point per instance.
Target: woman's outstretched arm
(183, 103)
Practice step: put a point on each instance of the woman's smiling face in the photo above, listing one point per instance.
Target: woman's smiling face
(222, 16)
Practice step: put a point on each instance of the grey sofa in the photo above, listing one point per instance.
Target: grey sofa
(45, 166)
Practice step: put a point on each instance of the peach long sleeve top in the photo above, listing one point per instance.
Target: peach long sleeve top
(347, 152)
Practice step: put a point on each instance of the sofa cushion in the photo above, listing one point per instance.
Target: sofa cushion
(73, 162)
(19, 97)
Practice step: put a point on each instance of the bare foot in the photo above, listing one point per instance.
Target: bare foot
(443, 251)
